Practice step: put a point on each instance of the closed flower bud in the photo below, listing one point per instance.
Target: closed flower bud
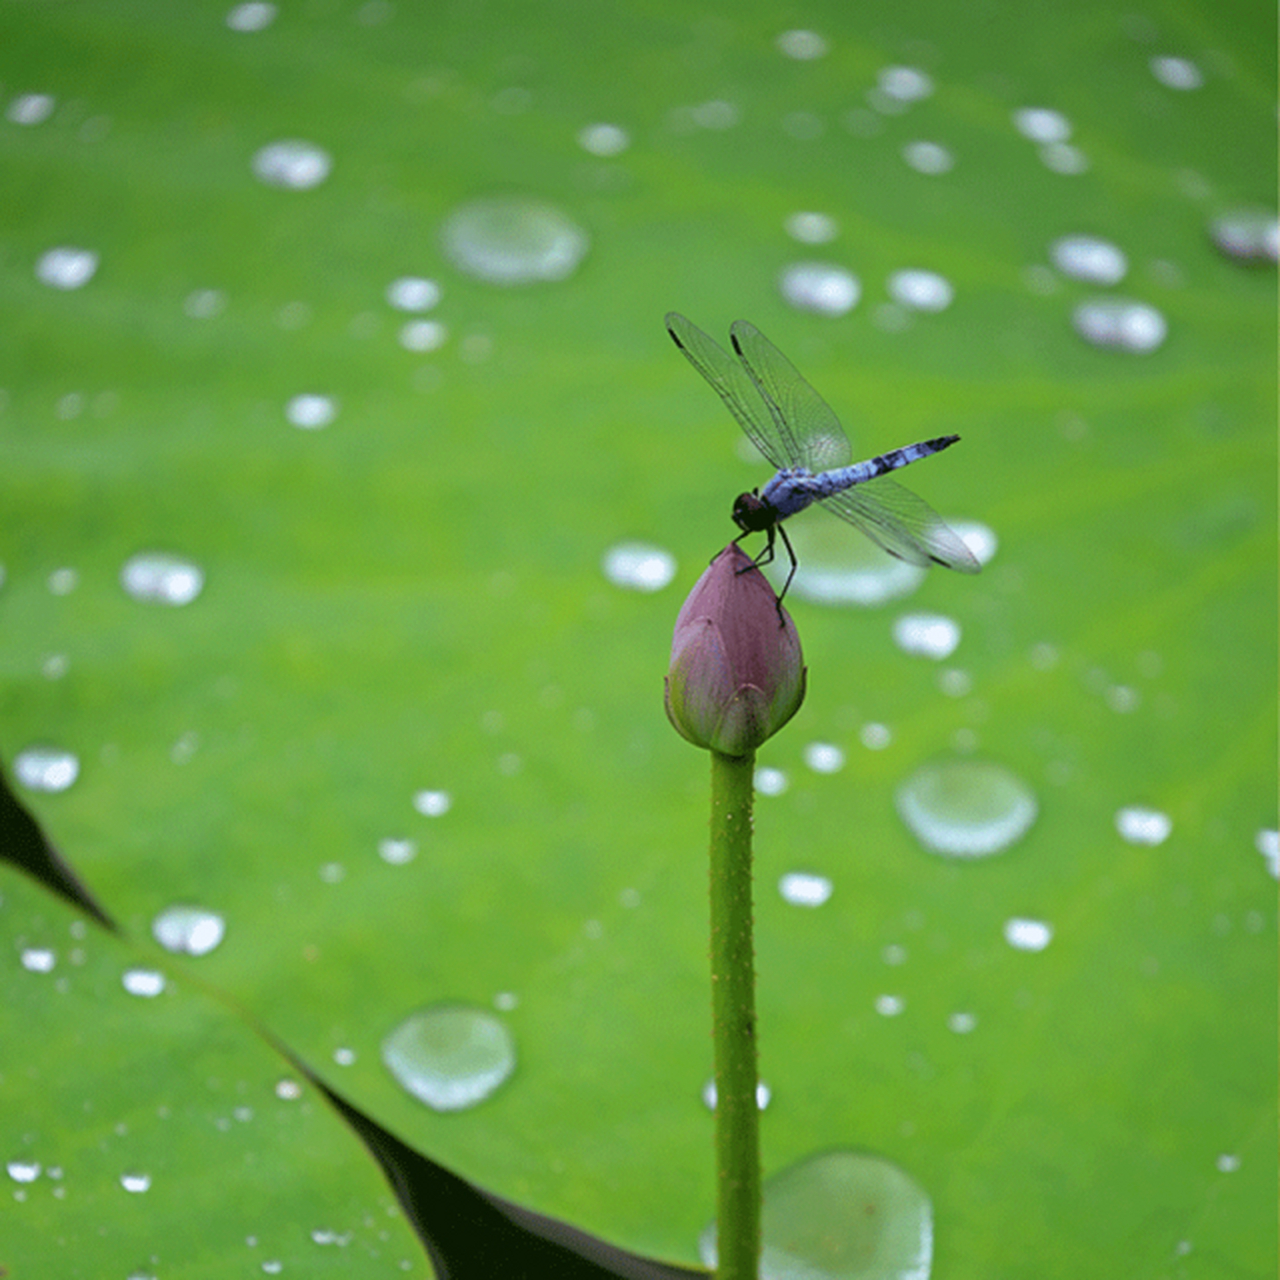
(737, 674)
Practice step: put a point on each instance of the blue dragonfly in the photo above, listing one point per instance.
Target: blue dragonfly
(796, 430)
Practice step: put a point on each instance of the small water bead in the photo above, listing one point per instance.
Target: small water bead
(841, 1215)
(1177, 73)
(66, 267)
(930, 158)
(966, 808)
(413, 293)
(192, 931)
(888, 1006)
(638, 566)
(37, 959)
(1042, 124)
(1267, 843)
(1062, 157)
(143, 982)
(31, 108)
(23, 1170)
(1121, 323)
(450, 1056)
(1027, 935)
(1088, 258)
(310, 411)
(292, 164)
(804, 46)
(397, 852)
(804, 889)
(288, 1090)
(929, 634)
(820, 287)
(921, 290)
(255, 15)
(1251, 235)
(46, 768)
(513, 241)
(432, 804)
(823, 757)
(604, 139)
(875, 737)
(1143, 826)
(709, 1095)
(961, 1023)
(904, 84)
(811, 228)
(135, 1183)
(204, 304)
(423, 335)
(955, 683)
(771, 782)
(160, 578)
(62, 582)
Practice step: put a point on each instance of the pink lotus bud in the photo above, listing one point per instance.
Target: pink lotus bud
(737, 674)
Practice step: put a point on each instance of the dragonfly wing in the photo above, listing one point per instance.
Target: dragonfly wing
(810, 431)
(734, 385)
(904, 525)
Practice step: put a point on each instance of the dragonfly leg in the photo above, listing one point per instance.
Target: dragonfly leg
(791, 555)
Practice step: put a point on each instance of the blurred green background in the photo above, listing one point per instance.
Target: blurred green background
(412, 597)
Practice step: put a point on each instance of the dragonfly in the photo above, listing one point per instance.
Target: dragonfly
(799, 434)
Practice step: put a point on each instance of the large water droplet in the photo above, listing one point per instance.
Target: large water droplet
(31, 108)
(822, 287)
(161, 579)
(639, 566)
(1120, 322)
(292, 164)
(148, 983)
(921, 290)
(842, 1215)
(1042, 124)
(66, 268)
(1088, 258)
(46, 768)
(1027, 935)
(311, 411)
(804, 889)
(966, 808)
(838, 567)
(929, 634)
(1267, 843)
(192, 931)
(513, 240)
(823, 757)
(450, 1056)
(1177, 73)
(1143, 826)
(1252, 235)
(23, 1170)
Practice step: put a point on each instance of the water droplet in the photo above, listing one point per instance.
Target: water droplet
(1143, 826)
(839, 569)
(332, 872)
(928, 634)
(1252, 235)
(66, 267)
(1120, 322)
(292, 164)
(161, 579)
(204, 304)
(804, 46)
(804, 889)
(811, 228)
(904, 84)
(820, 287)
(310, 411)
(344, 1056)
(1267, 843)
(31, 108)
(1062, 157)
(955, 683)
(142, 982)
(513, 241)
(23, 1170)
(44, 768)
(432, 804)
(709, 1095)
(38, 959)
(254, 15)
(192, 931)
(450, 1056)
(823, 757)
(1227, 1163)
(771, 782)
(875, 737)
(979, 538)
(889, 1006)
(62, 582)
(841, 1215)
(930, 158)
(604, 139)
(638, 566)
(423, 335)
(413, 293)
(921, 290)
(961, 1023)
(1027, 935)
(397, 852)
(135, 1183)
(966, 808)
(288, 1090)
(1088, 258)
(1041, 124)
(1177, 73)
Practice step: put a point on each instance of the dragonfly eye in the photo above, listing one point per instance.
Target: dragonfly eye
(752, 514)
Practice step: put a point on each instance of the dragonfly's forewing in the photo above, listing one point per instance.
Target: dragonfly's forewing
(904, 525)
(808, 427)
(734, 385)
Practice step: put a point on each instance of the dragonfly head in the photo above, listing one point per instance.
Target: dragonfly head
(752, 514)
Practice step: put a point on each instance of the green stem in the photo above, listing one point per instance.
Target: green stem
(733, 1012)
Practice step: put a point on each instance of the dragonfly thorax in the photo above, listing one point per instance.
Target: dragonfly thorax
(752, 514)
